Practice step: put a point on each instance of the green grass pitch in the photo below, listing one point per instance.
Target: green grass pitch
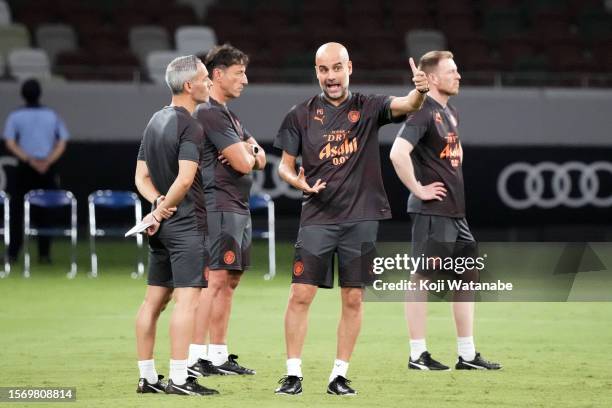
(79, 333)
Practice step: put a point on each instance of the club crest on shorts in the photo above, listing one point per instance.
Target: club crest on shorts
(298, 268)
(229, 257)
(353, 116)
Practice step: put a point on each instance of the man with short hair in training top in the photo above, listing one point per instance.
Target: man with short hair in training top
(427, 156)
(230, 155)
(336, 133)
(167, 175)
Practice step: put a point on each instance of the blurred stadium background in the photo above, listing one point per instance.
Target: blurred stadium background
(536, 89)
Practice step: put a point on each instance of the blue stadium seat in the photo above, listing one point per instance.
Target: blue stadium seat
(113, 200)
(49, 199)
(260, 202)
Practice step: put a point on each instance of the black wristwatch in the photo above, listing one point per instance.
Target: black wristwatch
(154, 206)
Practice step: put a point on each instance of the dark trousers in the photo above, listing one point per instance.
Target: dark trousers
(25, 178)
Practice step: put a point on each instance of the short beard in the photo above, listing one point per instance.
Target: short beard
(342, 95)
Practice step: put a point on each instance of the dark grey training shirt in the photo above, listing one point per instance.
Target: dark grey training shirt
(173, 135)
(339, 145)
(225, 189)
(436, 157)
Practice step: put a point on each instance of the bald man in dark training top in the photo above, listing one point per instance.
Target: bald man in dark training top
(336, 133)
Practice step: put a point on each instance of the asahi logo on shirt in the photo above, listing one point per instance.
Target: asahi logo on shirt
(452, 150)
(339, 148)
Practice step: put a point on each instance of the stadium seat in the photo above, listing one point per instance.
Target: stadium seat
(513, 50)
(13, 36)
(418, 42)
(408, 7)
(5, 14)
(365, 13)
(223, 19)
(498, 4)
(5, 230)
(194, 39)
(112, 200)
(145, 39)
(595, 25)
(103, 40)
(552, 28)
(473, 54)
(457, 25)
(127, 17)
(199, 6)
(84, 19)
(49, 199)
(260, 202)
(27, 63)
(455, 7)
(76, 65)
(157, 61)
(56, 38)
(568, 57)
(500, 23)
(267, 22)
(177, 16)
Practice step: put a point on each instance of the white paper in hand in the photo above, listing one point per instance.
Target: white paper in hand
(138, 228)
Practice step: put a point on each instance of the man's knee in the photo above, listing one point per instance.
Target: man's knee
(301, 296)
(187, 297)
(233, 279)
(217, 281)
(352, 299)
(156, 300)
(165, 302)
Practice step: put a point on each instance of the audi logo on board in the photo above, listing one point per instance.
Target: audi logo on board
(549, 185)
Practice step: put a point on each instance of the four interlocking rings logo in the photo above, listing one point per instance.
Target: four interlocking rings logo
(587, 192)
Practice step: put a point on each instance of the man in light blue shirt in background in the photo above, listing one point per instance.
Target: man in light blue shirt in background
(37, 136)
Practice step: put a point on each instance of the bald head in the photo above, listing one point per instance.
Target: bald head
(331, 51)
(333, 69)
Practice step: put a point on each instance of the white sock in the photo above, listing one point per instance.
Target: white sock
(147, 370)
(466, 348)
(417, 347)
(340, 368)
(294, 367)
(178, 371)
(217, 353)
(196, 351)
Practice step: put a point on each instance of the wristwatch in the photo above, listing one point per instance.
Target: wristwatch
(255, 149)
(424, 91)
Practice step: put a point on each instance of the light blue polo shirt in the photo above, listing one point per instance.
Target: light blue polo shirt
(36, 130)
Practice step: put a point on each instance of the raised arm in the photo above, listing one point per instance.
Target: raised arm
(403, 105)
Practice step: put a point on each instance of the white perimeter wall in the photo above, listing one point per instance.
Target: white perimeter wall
(513, 116)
